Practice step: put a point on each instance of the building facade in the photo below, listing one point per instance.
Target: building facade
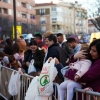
(91, 27)
(63, 17)
(25, 14)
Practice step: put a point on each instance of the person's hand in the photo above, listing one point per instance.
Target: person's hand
(49, 59)
(20, 71)
(56, 61)
(80, 54)
(27, 63)
(88, 89)
(76, 77)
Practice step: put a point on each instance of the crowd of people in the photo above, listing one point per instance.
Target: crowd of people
(83, 60)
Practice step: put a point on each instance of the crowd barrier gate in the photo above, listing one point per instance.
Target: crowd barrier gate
(25, 80)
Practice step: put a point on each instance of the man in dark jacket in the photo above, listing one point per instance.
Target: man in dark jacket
(54, 50)
(63, 44)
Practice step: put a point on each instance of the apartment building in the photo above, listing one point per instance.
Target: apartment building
(25, 12)
(62, 17)
(91, 27)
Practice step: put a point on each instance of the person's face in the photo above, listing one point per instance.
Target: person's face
(36, 39)
(33, 47)
(94, 53)
(60, 39)
(48, 43)
(71, 45)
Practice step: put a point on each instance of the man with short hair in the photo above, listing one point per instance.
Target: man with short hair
(54, 50)
(63, 44)
(73, 43)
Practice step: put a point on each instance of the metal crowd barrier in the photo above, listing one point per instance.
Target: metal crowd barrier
(25, 80)
(89, 95)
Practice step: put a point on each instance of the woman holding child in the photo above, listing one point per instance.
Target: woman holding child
(92, 77)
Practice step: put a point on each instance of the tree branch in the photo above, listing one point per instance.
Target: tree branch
(95, 24)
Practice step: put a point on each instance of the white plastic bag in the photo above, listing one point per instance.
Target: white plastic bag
(31, 67)
(48, 74)
(32, 90)
(64, 70)
(13, 83)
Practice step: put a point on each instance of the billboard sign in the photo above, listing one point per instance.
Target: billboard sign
(18, 31)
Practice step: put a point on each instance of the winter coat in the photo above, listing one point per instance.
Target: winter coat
(38, 59)
(56, 51)
(82, 66)
(68, 52)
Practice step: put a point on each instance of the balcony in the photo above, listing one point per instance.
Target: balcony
(57, 22)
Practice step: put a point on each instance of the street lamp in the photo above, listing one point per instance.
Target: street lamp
(14, 13)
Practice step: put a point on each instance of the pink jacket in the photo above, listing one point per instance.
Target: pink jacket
(82, 66)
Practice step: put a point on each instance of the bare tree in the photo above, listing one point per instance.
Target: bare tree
(96, 14)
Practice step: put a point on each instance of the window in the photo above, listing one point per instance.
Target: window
(18, 14)
(31, 7)
(77, 14)
(42, 11)
(19, 23)
(43, 22)
(32, 16)
(76, 22)
(23, 4)
(80, 14)
(80, 22)
(5, 0)
(5, 11)
(10, 12)
(43, 29)
(54, 19)
(53, 9)
(24, 15)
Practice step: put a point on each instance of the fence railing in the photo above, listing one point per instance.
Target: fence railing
(5, 74)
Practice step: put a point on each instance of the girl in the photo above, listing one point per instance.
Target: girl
(81, 66)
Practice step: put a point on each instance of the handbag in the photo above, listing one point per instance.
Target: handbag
(13, 83)
(31, 67)
(64, 70)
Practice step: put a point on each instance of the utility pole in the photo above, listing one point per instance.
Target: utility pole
(14, 13)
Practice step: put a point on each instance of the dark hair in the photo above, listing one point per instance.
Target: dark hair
(21, 37)
(52, 37)
(59, 34)
(70, 40)
(9, 41)
(33, 42)
(2, 54)
(11, 58)
(39, 36)
(96, 43)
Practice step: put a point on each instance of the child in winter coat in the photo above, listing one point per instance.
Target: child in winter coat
(82, 66)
